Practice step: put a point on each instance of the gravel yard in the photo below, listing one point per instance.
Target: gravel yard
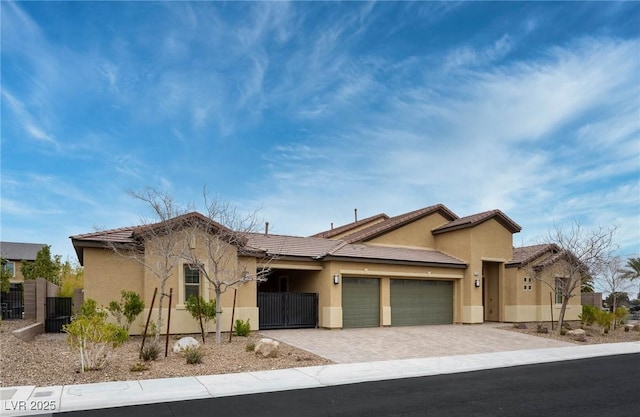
(47, 360)
(593, 334)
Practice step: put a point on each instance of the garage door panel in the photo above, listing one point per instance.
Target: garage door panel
(360, 302)
(419, 302)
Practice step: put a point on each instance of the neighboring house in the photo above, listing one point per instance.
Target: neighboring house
(427, 266)
(15, 253)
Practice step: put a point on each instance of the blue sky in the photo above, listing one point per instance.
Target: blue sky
(309, 110)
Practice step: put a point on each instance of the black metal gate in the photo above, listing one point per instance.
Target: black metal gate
(12, 302)
(287, 310)
(59, 312)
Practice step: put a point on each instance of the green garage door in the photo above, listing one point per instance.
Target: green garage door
(360, 302)
(418, 302)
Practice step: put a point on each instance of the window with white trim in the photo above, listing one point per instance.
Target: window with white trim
(191, 281)
(11, 267)
(560, 287)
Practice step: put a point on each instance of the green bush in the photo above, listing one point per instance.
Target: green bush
(150, 352)
(251, 347)
(207, 310)
(589, 315)
(193, 355)
(94, 337)
(605, 320)
(619, 315)
(89, 308)
(242, 328)
(129, 307)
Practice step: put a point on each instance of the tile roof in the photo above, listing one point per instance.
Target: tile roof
(15, 251)
(397, 221)
(282, 245)
(475, 219)
(350, 226)
(389, 253)
(526, 254)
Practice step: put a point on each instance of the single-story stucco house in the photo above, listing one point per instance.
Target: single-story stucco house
(427, 266)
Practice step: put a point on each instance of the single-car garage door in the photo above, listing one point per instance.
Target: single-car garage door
(360, 302)
(418, 302)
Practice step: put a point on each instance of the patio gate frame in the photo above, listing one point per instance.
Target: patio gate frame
(287, 310)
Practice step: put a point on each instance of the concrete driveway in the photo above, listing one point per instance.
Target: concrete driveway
(389, 343)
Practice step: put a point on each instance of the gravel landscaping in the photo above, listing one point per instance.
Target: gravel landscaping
(593, 335)
(47, 360)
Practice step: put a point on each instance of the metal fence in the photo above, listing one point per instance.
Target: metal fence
(286, 310)
(12, 302)
(59, 312)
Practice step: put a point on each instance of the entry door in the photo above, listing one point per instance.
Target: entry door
(360, 302)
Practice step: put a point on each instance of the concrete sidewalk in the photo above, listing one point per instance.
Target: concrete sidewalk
(30, 400)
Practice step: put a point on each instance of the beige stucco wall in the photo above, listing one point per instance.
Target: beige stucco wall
(107, 273)
(537, 304)
(487, 243)
(417, 233)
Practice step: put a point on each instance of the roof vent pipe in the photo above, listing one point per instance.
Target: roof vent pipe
(331, 225)
(355, 212)
(266, 228)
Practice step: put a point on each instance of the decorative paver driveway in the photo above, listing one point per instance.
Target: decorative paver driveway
(389, 343)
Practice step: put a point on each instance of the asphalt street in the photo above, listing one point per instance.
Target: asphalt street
(604, 386)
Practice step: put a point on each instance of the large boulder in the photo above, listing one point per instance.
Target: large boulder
(268, 348)
(577, 334)
(184, 343)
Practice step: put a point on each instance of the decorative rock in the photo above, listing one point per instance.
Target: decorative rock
(577, 334)
(541, 328)
(268, 348)
(522, 326)
(628, 327)
(185, 343)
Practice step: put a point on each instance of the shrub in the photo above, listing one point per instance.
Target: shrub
(589, 315)
(94, 337)
(129, 307)
(207, 310)
(563, 331)
(139, 367)
(604, 320)
(193, 355)
(251, 347)
(89, 308)
(242, 328)
(619, 315)
(150, 352)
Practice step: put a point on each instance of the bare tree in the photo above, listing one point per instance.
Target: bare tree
(156, 245)
(613, 279)
(581, 253)
(223, 234)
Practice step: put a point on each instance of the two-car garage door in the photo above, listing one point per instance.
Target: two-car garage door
(413, 302)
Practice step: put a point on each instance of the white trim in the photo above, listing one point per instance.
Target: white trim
(391, 274)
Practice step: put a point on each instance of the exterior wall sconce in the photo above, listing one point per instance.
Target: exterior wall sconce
(336, 279)
(477, 283)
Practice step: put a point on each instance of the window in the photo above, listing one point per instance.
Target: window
(191, 281)
(11, 267)
(560, 285)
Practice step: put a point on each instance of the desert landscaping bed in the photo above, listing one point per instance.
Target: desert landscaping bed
(47, 360)
(593, 335)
